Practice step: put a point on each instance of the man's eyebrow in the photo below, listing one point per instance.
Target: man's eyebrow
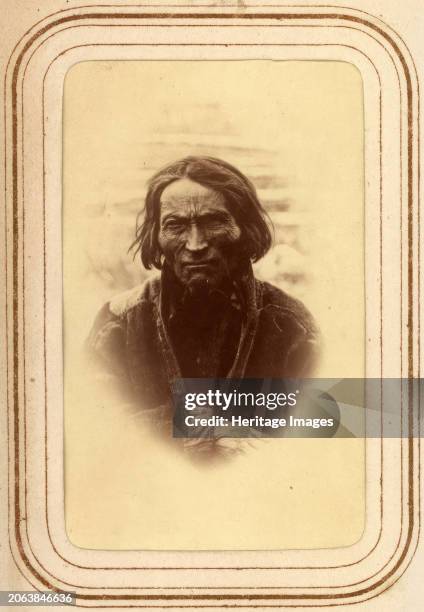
(173, 215)
(207, 213)
(215, 213)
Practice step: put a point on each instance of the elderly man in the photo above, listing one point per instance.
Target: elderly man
(205, 315)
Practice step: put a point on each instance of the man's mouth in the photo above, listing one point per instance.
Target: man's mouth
(198, 265)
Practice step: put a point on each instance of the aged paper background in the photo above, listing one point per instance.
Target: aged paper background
(296, 129)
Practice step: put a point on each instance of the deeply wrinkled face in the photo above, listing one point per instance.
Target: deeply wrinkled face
(198, 235)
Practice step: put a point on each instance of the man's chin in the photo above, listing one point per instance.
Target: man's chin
(199, 283)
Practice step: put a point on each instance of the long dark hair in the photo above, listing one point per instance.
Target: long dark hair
(240, 197)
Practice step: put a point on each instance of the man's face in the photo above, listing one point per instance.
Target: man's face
(198, 235)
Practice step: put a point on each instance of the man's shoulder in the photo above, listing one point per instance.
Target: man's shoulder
(110, 321)
(287, 306)
(122, 303)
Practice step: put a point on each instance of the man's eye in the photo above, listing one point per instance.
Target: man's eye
(174, 226)
(213, 223)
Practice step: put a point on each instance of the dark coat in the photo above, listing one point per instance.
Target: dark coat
(130, 341)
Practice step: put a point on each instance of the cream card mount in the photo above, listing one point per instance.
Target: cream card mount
(33, 96)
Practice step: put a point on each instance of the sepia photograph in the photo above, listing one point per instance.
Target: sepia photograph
(212, 229)
(206, 316)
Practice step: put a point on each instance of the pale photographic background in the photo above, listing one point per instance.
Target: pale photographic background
(296, 130)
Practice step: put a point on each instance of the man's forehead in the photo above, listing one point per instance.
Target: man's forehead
(185, 195)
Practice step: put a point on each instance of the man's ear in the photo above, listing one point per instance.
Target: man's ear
(243, 250)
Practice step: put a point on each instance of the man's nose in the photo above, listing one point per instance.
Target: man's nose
(195, 239)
